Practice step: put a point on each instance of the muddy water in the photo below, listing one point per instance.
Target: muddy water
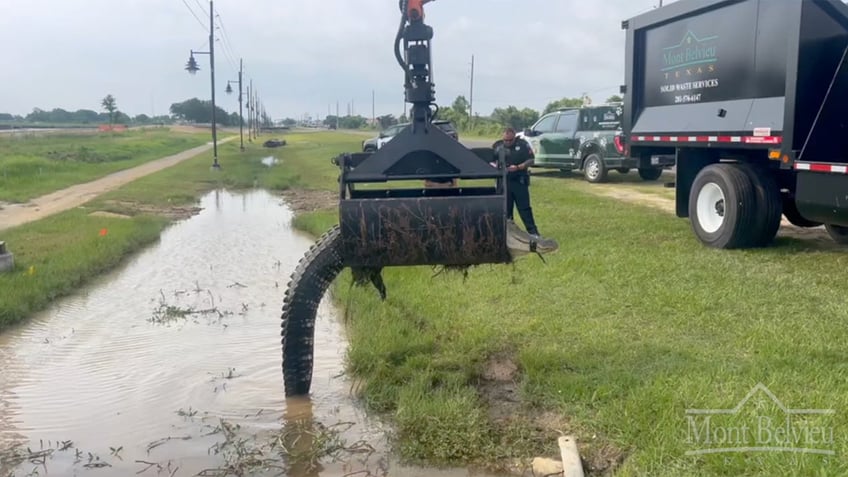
(171, 365)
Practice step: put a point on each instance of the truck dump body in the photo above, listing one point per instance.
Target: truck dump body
(750, 96)
(752, 73)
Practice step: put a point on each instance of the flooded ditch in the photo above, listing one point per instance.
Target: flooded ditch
(171, 366)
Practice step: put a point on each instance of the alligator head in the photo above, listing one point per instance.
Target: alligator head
(521, 243)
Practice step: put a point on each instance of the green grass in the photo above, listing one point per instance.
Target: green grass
(55, 256)
(629, 325)
(33, 165)
(65, 250)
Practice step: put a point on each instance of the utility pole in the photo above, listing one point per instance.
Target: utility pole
(258, 117)
(255, 116)
(337, 114)
(373, 107)
(229, 90)
(241, 118)
(215, 164)
(249, 123)
(471, 96)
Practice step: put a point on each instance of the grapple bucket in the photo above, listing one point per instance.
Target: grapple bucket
(380, 232)
(422, 226)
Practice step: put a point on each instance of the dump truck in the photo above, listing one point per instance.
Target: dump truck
(750, 96)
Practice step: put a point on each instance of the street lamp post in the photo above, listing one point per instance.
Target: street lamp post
(241, 118)
(192, 68)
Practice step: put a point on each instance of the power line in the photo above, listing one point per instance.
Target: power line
(224, 33)
(201, 7)
(226, 43)
(202, 25)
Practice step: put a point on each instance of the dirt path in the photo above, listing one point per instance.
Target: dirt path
(12, 215)
(816, 236)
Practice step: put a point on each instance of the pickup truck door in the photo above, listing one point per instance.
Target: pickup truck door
(549, 145)
(564, 135)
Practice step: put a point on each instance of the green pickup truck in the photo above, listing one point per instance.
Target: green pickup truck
(588, 139)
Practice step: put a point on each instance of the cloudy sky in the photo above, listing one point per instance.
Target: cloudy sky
(304, 56)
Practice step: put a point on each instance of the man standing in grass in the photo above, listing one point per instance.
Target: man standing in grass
(519, 157)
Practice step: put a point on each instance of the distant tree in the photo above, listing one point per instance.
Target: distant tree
(331, 120)
(141, 119)
(514, 117)
(387, 121)
(615, 99)
(122, 117)
(111, 106)
(6, 117)
(563, 103)
(197, 111)
(460, 106)
(289, 122)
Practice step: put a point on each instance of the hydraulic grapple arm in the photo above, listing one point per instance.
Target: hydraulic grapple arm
(382, 226)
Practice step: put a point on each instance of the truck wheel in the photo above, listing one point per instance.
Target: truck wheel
(650, 173)
(623, 170)
(838, 233)
(594, 169)
(768, 206)
(790, 211)
(722, 206)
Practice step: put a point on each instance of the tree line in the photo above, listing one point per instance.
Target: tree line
(458, 114)
(191, 110)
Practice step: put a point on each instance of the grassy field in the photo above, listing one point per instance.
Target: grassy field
(632, 323)
(627, 327)
(33, 165)
(57, 255)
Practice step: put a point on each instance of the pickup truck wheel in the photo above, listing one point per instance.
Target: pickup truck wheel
(768, 206)
(623, 170)
(594, 169)
(650, 173)
(722, 206)
(790, 211)
(838, 233)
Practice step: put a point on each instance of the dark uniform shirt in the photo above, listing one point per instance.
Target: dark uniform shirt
(519, 153)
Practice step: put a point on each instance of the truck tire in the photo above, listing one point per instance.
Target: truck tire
(650, 173)
(594, 169)
(790, 211)
(838, 233)
(722, 206)
(769, 205)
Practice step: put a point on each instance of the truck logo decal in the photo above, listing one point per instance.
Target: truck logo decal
(688, 61)
(691, 52)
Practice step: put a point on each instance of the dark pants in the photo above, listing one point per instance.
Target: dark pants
(518, 195)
